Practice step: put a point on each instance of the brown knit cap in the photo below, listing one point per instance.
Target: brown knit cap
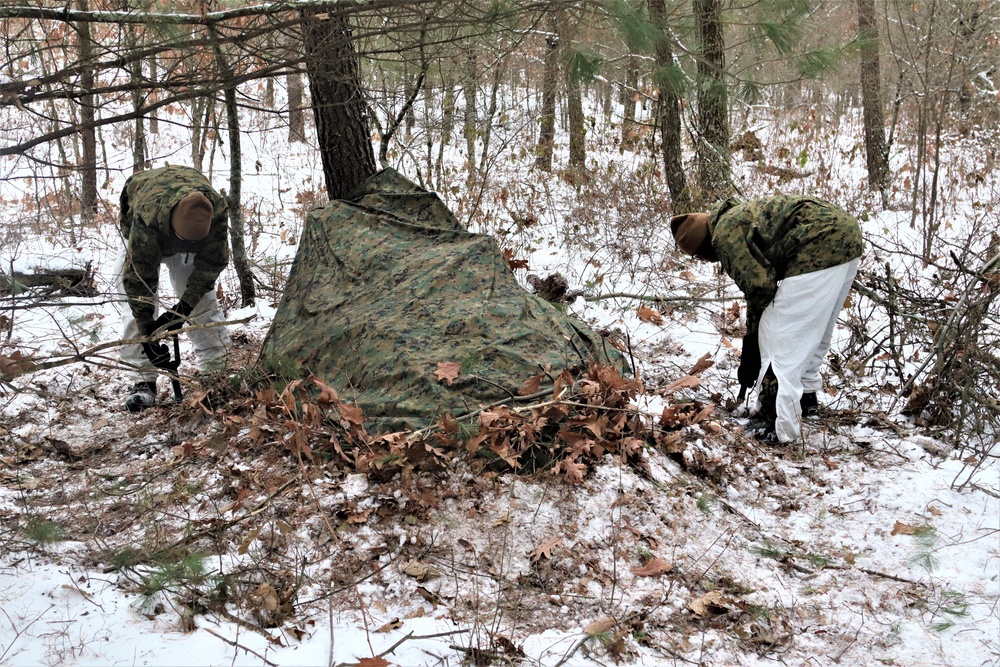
(192, 217)
(690, 231)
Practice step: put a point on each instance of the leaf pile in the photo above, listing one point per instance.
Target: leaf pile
(583, 420)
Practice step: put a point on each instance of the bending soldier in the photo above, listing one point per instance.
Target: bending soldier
(170, 216)
(795, 259)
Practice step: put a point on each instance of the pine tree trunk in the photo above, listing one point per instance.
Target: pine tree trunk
(296, 115)
(628, 101)
(871, 98)
(547, 122)
(88, 135)
(712, 150)
(470, 128)
(338, 102)
(668, 111)
(577, 122)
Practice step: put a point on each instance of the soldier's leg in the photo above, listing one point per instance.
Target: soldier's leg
(794, 326)
(131, 356)
(811, 380)
(210, 343)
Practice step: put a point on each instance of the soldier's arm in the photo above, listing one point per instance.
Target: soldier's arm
(141, 274)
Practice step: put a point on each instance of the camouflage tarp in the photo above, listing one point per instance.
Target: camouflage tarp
(387, 285)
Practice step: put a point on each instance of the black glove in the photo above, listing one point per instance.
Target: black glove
(172, 319)
(749, 361)
(158, 354)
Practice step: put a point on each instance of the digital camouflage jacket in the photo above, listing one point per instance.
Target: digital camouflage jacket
(763, 241)
(146, 203)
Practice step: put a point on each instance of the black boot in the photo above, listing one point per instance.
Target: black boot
(142, 396)
(809, 404)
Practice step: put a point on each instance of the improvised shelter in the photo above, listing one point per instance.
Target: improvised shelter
(387, 284)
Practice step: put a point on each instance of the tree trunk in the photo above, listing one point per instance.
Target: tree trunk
(235, 195)
(154, 120)
(338, 102)
(669, 112)
(547, 122)
(577, 121)
(296, 114)
(628, 101)
(871, 98)
(88, 136)
(470, 125)
(712, 150)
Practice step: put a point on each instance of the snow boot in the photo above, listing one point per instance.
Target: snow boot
(762, 429)
(809, 404)
(143, 396)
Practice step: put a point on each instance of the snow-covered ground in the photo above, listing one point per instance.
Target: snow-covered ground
(854, 547)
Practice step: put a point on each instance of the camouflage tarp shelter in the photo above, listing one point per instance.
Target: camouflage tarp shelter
(387, 284)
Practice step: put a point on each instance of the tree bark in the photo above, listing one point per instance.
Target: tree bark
(296, 115)
(669, 112)
(871, 98)
(88, 136)
(547, 122)
(338, 102)
(712, 151)
(629, 102)
(237, 229)
(470, 127)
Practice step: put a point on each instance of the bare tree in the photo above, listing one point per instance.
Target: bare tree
(871, 99)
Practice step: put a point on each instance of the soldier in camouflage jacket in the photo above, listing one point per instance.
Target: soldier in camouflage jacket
(795, 259)
(170, 216)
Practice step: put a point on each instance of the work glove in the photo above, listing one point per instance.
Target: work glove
(172, 319)
(158, 354)
(749, 364)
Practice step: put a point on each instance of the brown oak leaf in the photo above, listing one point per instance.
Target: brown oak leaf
(448, 371)
(647, 314)
(544, 550)
(654, 568)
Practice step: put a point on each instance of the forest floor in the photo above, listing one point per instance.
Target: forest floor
(848, 548)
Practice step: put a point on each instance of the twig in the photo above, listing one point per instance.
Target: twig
(657, 299)
(235, 644)
(884, 575)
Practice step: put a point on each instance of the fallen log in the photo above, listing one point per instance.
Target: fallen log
(69, 282)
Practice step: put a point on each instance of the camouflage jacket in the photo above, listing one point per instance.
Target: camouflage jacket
(761, 242)
(146, 203)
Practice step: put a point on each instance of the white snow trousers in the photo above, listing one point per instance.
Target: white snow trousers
(210, 344)
(795, 333)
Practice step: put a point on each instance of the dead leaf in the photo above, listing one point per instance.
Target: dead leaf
(654, 568)
(647, 314)
(544, 550)
(571, 470)
(429, 596)
(394, 624)
(98, 425)
(712, 603)
(934, 510)
(686, 382)
(448, 371)
(264, 597)
(374, 662)
(903, 529)
(420, 571)
(530, 385)
(702, 364)
(600, 626)
(508, 255)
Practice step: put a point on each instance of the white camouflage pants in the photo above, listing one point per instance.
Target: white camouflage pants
(209, 344)
(796, 330)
